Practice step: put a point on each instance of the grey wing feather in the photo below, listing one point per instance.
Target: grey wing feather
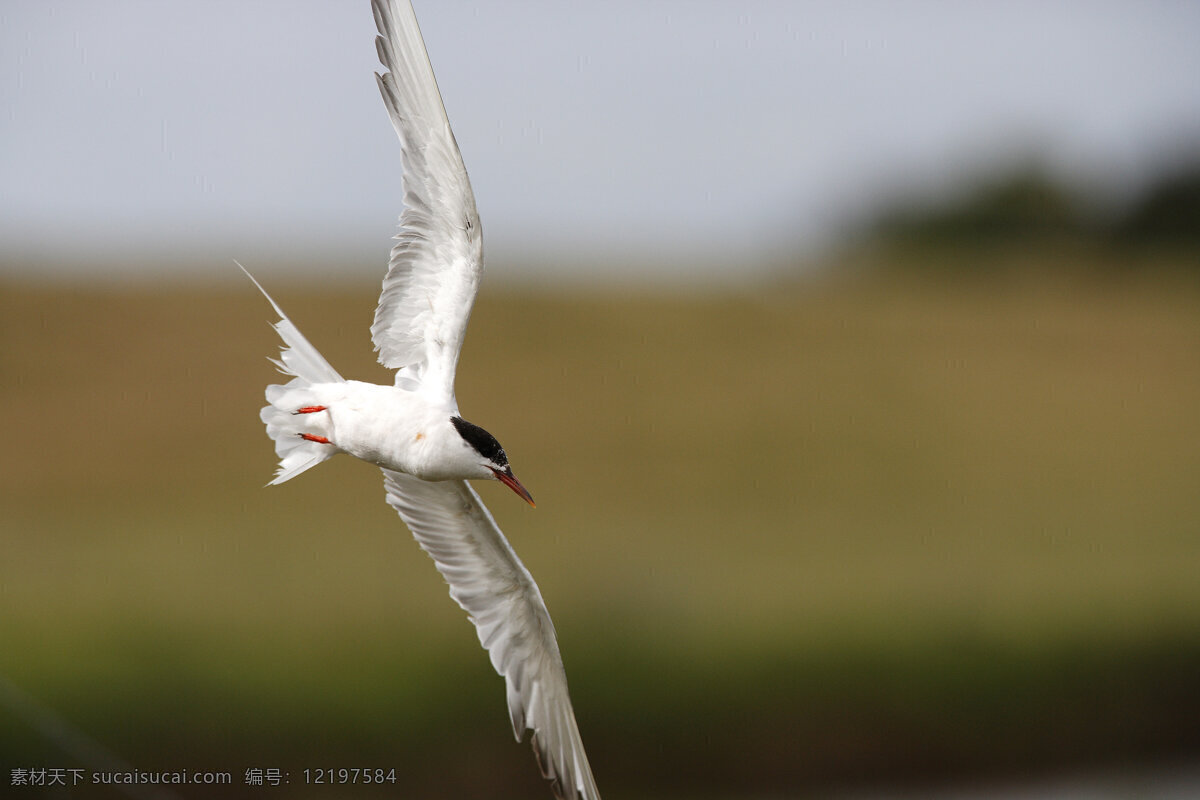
(437, 261)
(489, 581)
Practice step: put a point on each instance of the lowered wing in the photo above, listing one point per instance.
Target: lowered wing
(492, 585)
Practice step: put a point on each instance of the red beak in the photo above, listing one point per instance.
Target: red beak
(510, 480)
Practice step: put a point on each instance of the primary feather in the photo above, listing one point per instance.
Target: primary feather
(488, 580)
(437, 261)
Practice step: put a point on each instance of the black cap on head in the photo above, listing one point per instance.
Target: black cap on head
(483, 442)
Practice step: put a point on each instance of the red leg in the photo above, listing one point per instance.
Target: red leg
(312, 437)
(310, 409)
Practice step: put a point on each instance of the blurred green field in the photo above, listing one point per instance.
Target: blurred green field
(878, 529)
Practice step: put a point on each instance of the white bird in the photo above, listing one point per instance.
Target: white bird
(413, 430)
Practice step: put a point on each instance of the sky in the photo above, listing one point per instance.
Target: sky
(674, 139)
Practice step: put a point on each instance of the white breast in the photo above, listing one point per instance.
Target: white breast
(393, 428)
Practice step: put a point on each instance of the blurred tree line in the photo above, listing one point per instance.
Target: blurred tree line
(1028, 205)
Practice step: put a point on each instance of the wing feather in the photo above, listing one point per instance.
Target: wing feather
(488, 580)
(437, 261)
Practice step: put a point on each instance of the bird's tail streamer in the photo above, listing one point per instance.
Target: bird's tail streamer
(298, 358)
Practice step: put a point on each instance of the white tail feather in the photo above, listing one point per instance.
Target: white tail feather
(297, 357)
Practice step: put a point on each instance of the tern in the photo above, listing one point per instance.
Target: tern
(413, 430)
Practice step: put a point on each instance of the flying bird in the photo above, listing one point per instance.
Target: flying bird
(413, 430)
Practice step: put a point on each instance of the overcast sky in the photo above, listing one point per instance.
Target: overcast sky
(695, 130)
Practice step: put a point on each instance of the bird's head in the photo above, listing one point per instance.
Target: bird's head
(493, 462)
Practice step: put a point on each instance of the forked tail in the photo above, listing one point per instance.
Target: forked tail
(297, 357)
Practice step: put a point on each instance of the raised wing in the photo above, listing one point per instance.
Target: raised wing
(492, 585)
(437, 261)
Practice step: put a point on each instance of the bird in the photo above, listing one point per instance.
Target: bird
(412, 430)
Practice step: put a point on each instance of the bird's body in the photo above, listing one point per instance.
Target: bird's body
(389, 427)
(413, 431)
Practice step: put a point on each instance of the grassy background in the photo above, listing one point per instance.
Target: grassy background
(877, 529)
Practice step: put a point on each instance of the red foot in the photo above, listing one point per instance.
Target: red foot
(312, 437)
(309, 409)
